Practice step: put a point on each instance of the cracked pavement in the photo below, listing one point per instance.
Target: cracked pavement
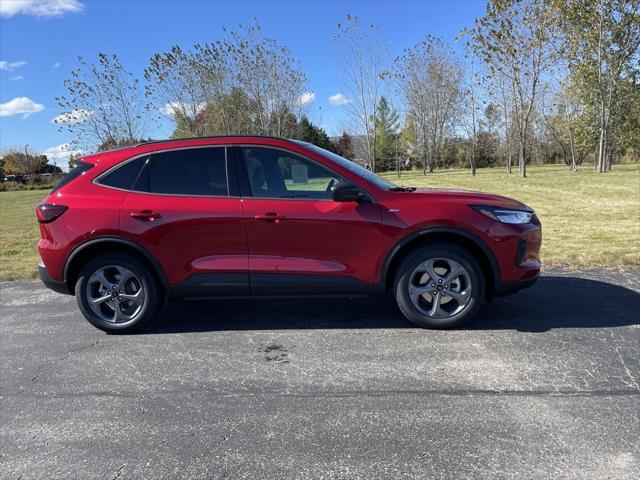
(545, 384)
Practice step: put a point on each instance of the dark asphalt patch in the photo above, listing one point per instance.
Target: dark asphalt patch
(545, 384)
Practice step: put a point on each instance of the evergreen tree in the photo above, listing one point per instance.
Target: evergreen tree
(308, 132)
(386, 123)
(344, 146)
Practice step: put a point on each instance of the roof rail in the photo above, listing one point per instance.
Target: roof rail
(151, 142)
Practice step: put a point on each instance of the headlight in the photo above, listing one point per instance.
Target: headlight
(505, 215)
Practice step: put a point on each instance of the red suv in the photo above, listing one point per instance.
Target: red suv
(244, 216)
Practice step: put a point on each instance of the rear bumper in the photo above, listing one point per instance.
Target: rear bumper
(502, 289)
(55, 285)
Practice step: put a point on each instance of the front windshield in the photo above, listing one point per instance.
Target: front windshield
(368, 175)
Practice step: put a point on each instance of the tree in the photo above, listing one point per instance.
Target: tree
(104, 104)
(308, 132)
(386, 123)
(74, 159)
(429, 76)
(471, 93)
(344, 146)
(627, 131)
(570, 124)
(601, 39)
(515, 39)
(269, 75)
(177, 86)
(243, 83)
(363, 61)
(19, 163)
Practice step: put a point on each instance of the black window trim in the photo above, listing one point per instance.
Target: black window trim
(230, 188)
(245, 188)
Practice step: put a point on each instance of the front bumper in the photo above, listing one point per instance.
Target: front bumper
(55, 285)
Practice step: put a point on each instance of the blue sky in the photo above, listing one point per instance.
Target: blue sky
(41, 39)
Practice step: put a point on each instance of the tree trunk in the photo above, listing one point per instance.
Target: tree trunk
(473, 160)
(522, 152)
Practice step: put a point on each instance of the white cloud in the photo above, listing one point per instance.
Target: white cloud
(170, 109)
(20, 105)
(39, 8)
(305, 99)
(56, 65)
(16, 77)
(60, 154)
(338, 99)
(11, 66)
(73, 117)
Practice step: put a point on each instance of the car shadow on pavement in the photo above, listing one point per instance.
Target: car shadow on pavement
(554, 302)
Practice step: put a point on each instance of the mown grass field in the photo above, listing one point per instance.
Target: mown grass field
(588, 219)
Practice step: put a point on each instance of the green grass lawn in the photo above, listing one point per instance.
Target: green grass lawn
(588, 218)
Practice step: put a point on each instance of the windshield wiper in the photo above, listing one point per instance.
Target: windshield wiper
(402, 189)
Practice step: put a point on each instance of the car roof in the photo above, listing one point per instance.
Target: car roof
(224, 137)
(111, 157)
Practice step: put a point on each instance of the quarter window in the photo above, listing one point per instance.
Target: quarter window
(274, 173)
(125, 177)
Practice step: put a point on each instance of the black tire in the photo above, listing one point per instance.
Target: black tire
(434, 251)
(151, 293)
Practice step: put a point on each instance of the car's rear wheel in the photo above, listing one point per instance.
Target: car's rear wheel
(439, 286)
(117, 293)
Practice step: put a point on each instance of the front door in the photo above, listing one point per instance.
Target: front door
(299, 239)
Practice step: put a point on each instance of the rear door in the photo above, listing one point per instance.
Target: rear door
(185, 209)
(299, 239)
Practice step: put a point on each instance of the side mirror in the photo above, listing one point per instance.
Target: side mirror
(346, 191)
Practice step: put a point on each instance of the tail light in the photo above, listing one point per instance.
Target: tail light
(48, 212)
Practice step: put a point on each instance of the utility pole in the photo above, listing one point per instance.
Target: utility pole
(26, 160)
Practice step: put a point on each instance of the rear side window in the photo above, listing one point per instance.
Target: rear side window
(74, 173)
(196, 171)
(125, 176)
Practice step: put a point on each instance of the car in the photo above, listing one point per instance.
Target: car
(126, 230)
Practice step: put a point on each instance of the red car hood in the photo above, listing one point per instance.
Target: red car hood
(466, 196)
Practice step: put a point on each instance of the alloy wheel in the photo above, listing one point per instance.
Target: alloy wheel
(115, 294)
(440, 288)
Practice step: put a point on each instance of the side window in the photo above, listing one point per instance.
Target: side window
(125, 177)
(274, 173)
(195, 171)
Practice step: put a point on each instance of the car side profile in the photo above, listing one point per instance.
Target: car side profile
(248, 216)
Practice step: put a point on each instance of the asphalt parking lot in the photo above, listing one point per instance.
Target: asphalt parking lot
(544, 385)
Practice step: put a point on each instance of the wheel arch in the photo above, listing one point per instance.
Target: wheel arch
(96, 246)
(470, 242)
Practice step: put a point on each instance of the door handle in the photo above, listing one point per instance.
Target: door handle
(271, 217)
(146, 215)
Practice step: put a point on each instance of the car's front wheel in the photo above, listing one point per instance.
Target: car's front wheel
(117, 293)
(439, 286)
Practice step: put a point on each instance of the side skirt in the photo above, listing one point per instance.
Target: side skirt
(268, 284)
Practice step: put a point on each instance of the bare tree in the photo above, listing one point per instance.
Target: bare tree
(243, 83)
(364, 65)
(104, 105)
(429, 77)
(177, 87)
(269, 75)
(515, 39)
